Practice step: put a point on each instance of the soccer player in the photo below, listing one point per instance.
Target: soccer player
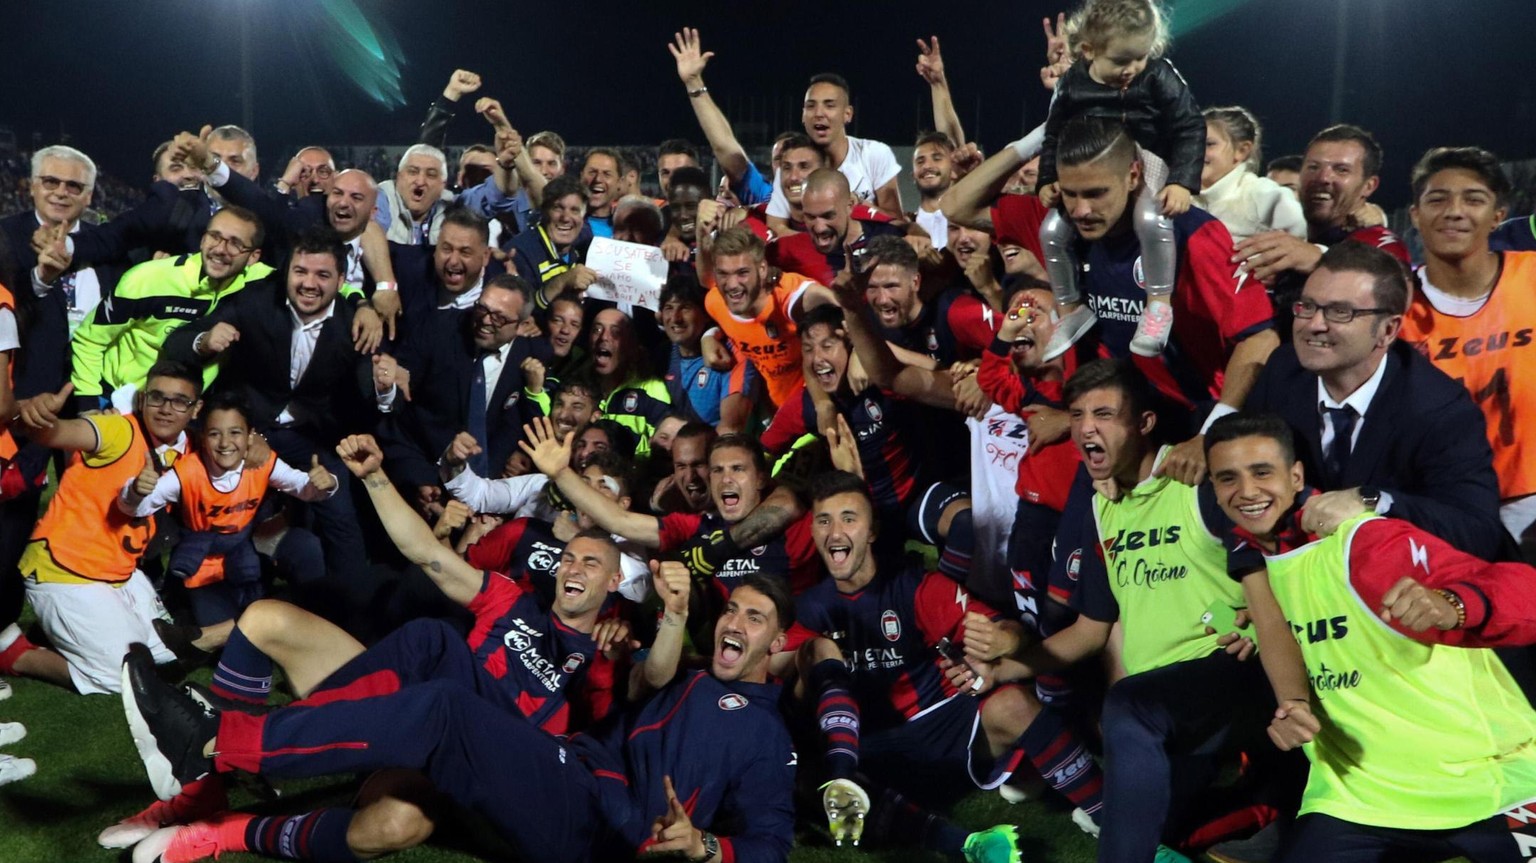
(1386, 615)
(722, 399)
(713, 738)
(832, 231)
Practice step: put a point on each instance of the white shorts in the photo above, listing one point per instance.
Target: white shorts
(93, 624)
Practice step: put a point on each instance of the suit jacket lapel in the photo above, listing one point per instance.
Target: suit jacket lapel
(1376, 434)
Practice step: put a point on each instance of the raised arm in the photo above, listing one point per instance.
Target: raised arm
(880, 362)
(434, 129)
(930, 67)
(969, 201)
(552, 456)
(458, 580)
(717, 129)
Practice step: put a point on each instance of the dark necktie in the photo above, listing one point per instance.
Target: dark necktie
(67, 283)
(478, 399)
(1336, 460)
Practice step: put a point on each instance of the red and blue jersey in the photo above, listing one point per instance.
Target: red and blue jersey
(955, 327)
(796, 253)
(790, 556)
(536, 658)
(525, 545)
(874, 418)
(729, 755)
(887, 633)
(1214, 306)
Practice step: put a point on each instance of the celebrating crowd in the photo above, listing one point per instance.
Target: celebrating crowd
(1122, 470)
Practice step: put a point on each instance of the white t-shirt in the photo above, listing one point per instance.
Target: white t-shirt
(937, 226)
(10, 338)
(869, 165)
(998, 444)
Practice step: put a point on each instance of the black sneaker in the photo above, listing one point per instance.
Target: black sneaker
(219, 704)
(169, 727)
(178, 639)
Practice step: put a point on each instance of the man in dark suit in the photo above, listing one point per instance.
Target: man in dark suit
(286, 349)
(1377, 426)
(467, 373)
(447, 275)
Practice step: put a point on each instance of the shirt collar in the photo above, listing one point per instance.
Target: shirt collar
(1361, 398)
(464, 299)
(1289, 534)
(73, 226)
(330, 311)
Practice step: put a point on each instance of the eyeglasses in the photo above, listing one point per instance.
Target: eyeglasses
(179, 404)
(481, 310)
(216, 239)
(1334, 312)
(52, 184)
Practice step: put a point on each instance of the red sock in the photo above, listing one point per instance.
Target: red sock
(230, 829)
(9, 656)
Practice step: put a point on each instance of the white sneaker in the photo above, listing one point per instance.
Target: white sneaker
(13, 769)
(846, 805)
(1085, 822)
(1018, 791)
(5, 689)
(1152, 330)
(10, 732)
(1072, 326)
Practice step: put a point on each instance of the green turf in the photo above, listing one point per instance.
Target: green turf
(88, 777)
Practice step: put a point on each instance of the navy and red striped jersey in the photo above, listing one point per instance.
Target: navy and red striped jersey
(1214, 307)
(538, 659)
(525, 545)
(1379, 236)
(875, 419)
(791, 555)
(729, 756)
(954, 327)
(887, 633)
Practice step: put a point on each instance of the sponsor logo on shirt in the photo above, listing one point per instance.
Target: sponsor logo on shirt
(544, 557)
(1327, 629)
(1327, 679)
(1454, 346)
(520, 640)
(1116, 308)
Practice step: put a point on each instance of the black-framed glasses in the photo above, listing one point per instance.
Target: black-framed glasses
(234, 244)
(179, 404)
(52, 184)
(481, 310)
(1337, 313)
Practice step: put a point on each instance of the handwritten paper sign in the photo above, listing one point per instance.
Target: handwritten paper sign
(631, 273)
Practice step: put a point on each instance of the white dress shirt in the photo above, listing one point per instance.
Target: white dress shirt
(305, 336)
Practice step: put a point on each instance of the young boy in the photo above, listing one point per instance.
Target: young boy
(720, 399)
(220, 494)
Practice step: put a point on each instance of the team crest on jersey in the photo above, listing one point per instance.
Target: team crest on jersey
(572, 663)
(732, 701)
(511, 400)
(631, 402)
(772, 331)
(703, 379)
(1074, 563)
(873, 410)
(890, 625)
(933, 340)
(758, 552)
(1139, 274)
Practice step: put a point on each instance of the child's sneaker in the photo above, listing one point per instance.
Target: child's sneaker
(13, 769)
(10, 732)
(1152, 330)
(1072, 326)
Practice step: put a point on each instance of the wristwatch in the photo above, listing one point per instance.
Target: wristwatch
(1370, 495)
(711, 848)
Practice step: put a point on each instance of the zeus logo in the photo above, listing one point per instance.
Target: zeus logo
(1419, 554)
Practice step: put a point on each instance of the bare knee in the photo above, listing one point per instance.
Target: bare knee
(264, 622)
(393, 813)
(1006, 713)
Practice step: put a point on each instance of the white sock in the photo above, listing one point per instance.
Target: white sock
(8, 637)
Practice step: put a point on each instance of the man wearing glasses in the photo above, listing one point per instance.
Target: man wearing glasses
(115, 347)
(1378, 428)
(471, 372)
(81, 564)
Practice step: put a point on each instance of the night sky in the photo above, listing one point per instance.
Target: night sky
(119, 77)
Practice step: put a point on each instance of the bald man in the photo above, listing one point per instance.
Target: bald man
(831, 231)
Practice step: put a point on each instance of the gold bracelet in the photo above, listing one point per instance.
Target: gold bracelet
(1461, 607)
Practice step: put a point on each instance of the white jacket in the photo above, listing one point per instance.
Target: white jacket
(1249, 204)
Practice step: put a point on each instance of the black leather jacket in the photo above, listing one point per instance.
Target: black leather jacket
(1157, 110)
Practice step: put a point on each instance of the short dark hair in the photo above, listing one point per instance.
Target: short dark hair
(618, 158)
(1252, 424)
(613, 463)
(690, 176)
(800, 141)
(839, 482)
(227, 400)
(777, 591)
(1371, 164)
(179, 371)
(562, 186)
(1285, 163)
(1086, 139)
(693, 429)
(939, 138)
(513, 282)
(320, 240)
(604, 537)
(578, 383)
(1473, 159)
(621, 438)
(827, 313)
(835, 80)
(259, 234)
(1117, 374)
(458, 214)
(736, 440)
(889, 249)
(684, 288)
(1389, 283)
(569, 298)
(678, 147)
